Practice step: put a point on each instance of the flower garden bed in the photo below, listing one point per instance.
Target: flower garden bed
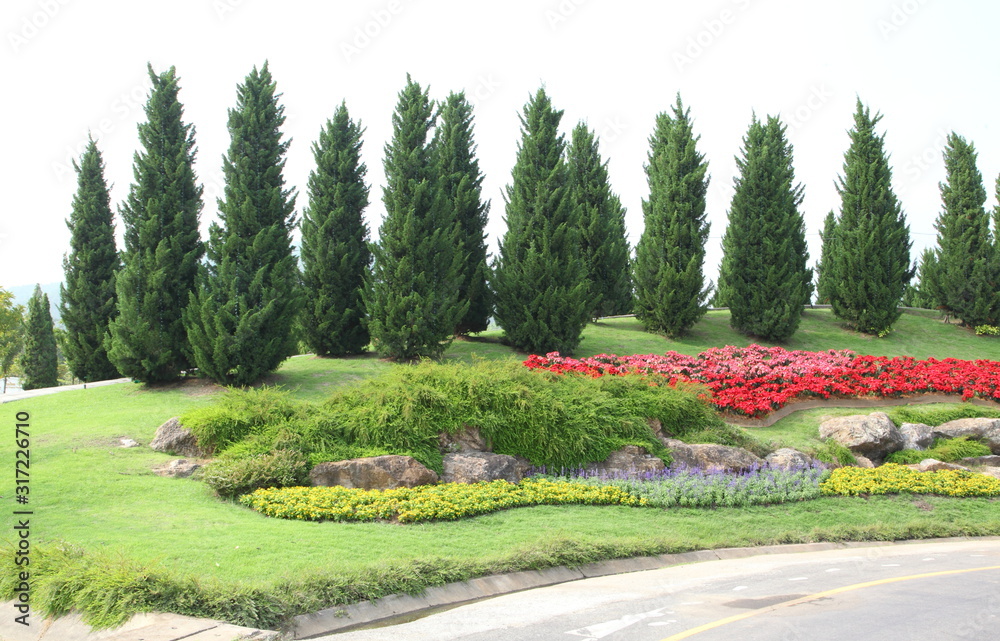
(753, 381)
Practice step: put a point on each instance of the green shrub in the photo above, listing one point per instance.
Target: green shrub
(943, 449)
(238, 414)
(231, 476)
(987, 330)
(936, 414)
(834, 453)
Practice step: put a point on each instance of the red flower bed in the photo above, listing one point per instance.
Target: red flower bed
(756, 380)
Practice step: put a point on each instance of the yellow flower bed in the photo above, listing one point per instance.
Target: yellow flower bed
(427, 502)
(892, 478)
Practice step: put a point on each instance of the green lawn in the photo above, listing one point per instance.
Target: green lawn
(87, 491)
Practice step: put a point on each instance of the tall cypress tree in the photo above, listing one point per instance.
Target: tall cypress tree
(961, 275)
(240, 319)
(763, 277)
(462, 183)
(669, 282)
(88, 295)
(871, 266)
(918, 294)
(540, 275)
(824, 279)
(40, 361)
(335, 253)
(148, 341)
(602, 226)
(413, 303)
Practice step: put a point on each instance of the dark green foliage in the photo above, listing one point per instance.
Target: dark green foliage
(938, 414)
(824, 278)
(669, 258)
(231, 477)
(943, 449)
(918, 295)
(961, 276)
(413, 303)
(11, 334)
(540, 277)
(40, 361)
(455, 162)
(148, 341)
(871, 262)
(763, 278)
(335, 253)
(602, 226)
(88, 298)
(240, 319)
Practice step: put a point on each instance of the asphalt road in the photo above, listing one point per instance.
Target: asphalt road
(948, 590)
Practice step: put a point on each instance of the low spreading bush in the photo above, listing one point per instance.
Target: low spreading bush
(944, 449)
(834, 453)
(231, 477)
(892, 478)
(239, 413)
(987, 330)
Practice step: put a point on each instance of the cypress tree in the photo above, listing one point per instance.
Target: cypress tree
(918, 295)
(40, 360)
(462, 183)
(763, 276)
(240, 319)
(871, 266)
(542, 293)
(148, 341)
(88, 299)
(670, 256)
(602, 225)
(960, 275)
(335, 253)
(413, 303)
(824, 278)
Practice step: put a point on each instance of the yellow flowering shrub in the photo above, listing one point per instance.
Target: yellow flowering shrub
(427, 502)
(892, 478)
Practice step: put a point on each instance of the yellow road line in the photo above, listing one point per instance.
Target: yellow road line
(819, 595)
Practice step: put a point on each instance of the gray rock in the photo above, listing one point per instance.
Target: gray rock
(984, 429)
(173, 438)
(873, 436)
(631, 460)
(989, 461)
(710, 456)
(916, 436)
(373, 473)
(863, 461)
(473, 467)
(990, 471)
(127, 442)
(933, 465)
(788, 459)
(179, 468)
(468, 439)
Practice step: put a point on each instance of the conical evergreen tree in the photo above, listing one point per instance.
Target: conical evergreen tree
(871, 266)
(147, 340)
(670, 256)
(763, 277)
(413, 303)
(961, 278)
(602, 225)
(824, 278)
(240, 319)
(542, 293)
(335, 252)
(918, 294)
(40, 361)
(462, 183)
(88, 295)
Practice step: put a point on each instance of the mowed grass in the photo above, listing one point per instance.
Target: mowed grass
(87, 491)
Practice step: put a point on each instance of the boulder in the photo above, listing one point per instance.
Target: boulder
(473, 467)
(988, 461)
(874, 436)
(179, 468)
(174, 438)
(916, 436)
(985, 429)
(933, 465)
(629, 461)
(127, 442)
(373, 473)
(468, 439)
(863, 461)
(710, 456)
(788, 459)
(990, 471)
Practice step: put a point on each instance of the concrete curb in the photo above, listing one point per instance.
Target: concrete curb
(141, 627)
(384, 611)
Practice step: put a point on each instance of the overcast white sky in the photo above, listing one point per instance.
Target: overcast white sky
(71, 66)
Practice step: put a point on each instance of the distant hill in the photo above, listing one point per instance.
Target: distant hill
(22, 294)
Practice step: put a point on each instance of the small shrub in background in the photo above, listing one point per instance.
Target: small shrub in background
(240, 413)
(943, 449)
(834, 453)
(231, 477)
(987, 330)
